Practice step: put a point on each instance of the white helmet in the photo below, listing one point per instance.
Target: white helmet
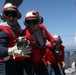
(9, 5)
(57, 39)
(32, 15)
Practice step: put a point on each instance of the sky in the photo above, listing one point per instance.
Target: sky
(59, 17)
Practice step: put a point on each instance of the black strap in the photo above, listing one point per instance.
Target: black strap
(59, 60)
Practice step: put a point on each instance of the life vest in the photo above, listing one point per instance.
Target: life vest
(37, 53)
(50, 57)
(12, 36)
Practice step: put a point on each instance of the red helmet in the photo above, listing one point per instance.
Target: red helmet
(57, 39)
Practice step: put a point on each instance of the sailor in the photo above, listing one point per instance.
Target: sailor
(51, 58)
(37, 33)
(9, 32)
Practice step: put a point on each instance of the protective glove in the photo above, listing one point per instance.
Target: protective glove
(24, 53)
(23, 47)
(17, 52)
(11, 50)
(63, 64)
(48, 64)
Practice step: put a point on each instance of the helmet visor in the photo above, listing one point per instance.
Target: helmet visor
(10, 13)
(31, 21)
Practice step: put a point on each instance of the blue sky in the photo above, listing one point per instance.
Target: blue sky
(59, 16)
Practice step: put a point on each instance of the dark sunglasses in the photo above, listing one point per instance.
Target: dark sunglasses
(32, 21)
(10, 13)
